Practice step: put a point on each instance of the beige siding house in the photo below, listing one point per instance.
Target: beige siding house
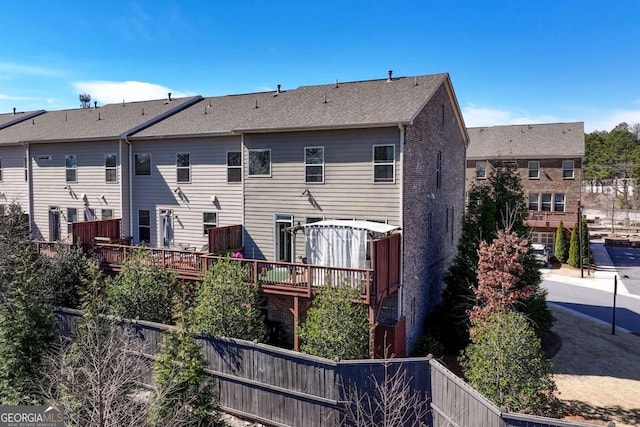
(75, 161)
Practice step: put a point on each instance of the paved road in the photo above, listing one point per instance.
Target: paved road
(596, 303)
(627, 264)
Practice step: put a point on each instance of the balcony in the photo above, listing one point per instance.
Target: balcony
(550, 220)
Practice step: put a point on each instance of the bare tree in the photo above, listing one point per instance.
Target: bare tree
(391, 403)
(85, 100)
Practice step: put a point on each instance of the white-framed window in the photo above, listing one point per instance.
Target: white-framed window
(314, 164)
(183, 167)
(110, 168)
(71, 167)
(26, 171)
(558, 202)
(142, 164)
(260, 162)
(534, 201)
(534, 169)
(567, 169)
(106, 214)
(439, 169)
(144, 226)
(209, 221)
(545, 202)
(72, 216)
(481, 170)
(234, 166)
(384, 163)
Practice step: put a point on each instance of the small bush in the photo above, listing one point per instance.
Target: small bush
(427, 345)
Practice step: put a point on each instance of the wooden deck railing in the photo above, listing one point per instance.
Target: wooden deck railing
(551, 219)
(282, 278)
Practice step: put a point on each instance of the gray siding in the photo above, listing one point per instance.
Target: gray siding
(432, 215)
(49, 181)
(123, 176)
(208, 158)
(13, 188)
(348, 190)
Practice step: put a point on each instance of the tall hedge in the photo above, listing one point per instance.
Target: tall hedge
(561, 250)
(574, 248)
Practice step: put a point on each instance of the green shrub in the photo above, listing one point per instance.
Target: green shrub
(574, 248)
(505, 363)
(427, 345)
(561, 250)
(226, 304)
(142, 290)
(335, 326)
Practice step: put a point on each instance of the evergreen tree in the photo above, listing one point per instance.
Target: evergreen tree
(561, 250)
(586, 249)
(574, 248)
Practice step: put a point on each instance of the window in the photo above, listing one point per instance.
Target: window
(534, 169)
(481, 170)
(209, 221)
(107, 214)
(2, 210)
(72, 216)
(143, 164)
(234, 166)
(0, 169)
(26, 171)
(311, 220)
(314, 164)
(439, 169)
(546, 202)
(110, 168)
(384, 163)
(534, 201)
(567, 169)
(259, 162)
(71, 167)
(558, 202)
(509, 164)
(183, 167)
(144, 226)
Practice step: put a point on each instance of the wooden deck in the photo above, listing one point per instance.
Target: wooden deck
(551, 220)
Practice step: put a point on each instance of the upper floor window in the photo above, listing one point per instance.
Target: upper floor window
(534, 169)
(439, 169)
(107, 213)
(26, 170)
(534, 201)
(545, 204)
(567, 169)
(144, 226)
(234, 166)
(481, 170)
(143, 164)
(183, 167)
(384, 163)
(71, 167)
(314, 164)
(110, 168)
(209, 221)
(72, 216)
(260, 162)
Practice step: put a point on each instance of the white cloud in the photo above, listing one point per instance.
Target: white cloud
(15, 68)
(608, 120)
(484, 116)
(107, 92)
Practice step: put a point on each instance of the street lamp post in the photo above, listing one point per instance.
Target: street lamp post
(580, 236)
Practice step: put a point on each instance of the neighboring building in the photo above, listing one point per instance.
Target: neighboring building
(387, 151)
(548, 158)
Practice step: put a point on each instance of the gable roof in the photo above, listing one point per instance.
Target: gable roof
(110, 121)
(11, 119)
(529, 141)
(371, 103)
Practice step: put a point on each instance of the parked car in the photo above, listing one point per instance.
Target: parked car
(541, 252)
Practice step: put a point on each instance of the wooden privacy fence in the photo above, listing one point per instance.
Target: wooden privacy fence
(225, 239)
(386, 264)
(86, 232)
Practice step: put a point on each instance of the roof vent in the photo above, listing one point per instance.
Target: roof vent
(390, 72)
(14, 111)
(95, 104)
(278, 90)
(169, 96)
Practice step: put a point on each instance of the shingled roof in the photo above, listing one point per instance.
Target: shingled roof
(337, 105)
(529, 141)
(11, 119)
(84, 124)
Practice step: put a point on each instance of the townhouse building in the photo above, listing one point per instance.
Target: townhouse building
(548, 158)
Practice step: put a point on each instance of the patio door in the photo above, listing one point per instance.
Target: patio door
(54, 223)
(283, 237)
(166, 227)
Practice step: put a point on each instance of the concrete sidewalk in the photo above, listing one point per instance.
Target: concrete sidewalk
(602, 279)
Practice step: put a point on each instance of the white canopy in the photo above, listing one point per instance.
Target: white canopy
(376, 227)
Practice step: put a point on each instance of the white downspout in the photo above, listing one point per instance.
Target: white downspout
(401, 209)
(29, 186)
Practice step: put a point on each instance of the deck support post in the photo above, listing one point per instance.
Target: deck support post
(372, 330)
(296, 322)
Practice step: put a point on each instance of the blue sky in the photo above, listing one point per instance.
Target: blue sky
(510, 61)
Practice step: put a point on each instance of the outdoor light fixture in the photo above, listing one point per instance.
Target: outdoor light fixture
(177, 190)
(212, 199)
